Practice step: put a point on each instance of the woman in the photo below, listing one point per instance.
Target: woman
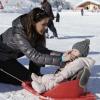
(26, 37)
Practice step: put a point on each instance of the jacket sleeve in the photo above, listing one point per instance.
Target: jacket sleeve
(26, 48)
(41, 46)
(45, 50)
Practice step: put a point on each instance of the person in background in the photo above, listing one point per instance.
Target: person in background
(47, 7)
(58, 17)
(82, 12)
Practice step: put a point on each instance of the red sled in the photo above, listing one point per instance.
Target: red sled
(69, 90)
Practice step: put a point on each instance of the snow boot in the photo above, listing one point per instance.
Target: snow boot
(83, 76)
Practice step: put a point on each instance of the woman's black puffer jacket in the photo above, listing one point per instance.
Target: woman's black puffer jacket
(14, 44)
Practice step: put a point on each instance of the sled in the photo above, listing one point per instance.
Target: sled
(69, 90)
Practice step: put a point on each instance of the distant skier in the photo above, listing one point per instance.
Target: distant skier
(82, 12)
(58, 17)
(47, 7)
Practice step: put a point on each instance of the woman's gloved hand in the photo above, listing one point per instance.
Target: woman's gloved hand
(67, 56)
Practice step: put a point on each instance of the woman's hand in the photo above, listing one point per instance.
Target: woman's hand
(72, 57)
(67, 52)
(68, 57)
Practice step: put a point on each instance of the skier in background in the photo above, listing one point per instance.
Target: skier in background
(58, 17)
(82, 12)
(47, 7)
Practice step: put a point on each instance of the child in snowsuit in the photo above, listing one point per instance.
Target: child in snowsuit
(48, 81)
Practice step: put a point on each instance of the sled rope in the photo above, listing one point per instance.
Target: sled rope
(41, 97)
(11, 75)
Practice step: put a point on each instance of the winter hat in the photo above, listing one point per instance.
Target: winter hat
(83, 47)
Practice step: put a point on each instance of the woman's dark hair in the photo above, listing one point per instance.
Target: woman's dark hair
(29, 20)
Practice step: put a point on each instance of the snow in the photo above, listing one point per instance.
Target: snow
(72, 28)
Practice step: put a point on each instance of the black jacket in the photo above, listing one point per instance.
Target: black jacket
(14, 44)
(48, 9)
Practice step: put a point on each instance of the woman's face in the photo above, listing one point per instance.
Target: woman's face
(41, 26)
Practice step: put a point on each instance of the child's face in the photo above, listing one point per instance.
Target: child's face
(75, 52)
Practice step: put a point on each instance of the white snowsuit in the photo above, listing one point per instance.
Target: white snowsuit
(48, 81)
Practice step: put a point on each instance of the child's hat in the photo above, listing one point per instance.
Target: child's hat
(83, 47)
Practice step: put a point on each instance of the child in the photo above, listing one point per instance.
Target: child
(47, 82)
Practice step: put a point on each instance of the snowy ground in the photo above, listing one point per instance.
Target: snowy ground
(72, 28)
